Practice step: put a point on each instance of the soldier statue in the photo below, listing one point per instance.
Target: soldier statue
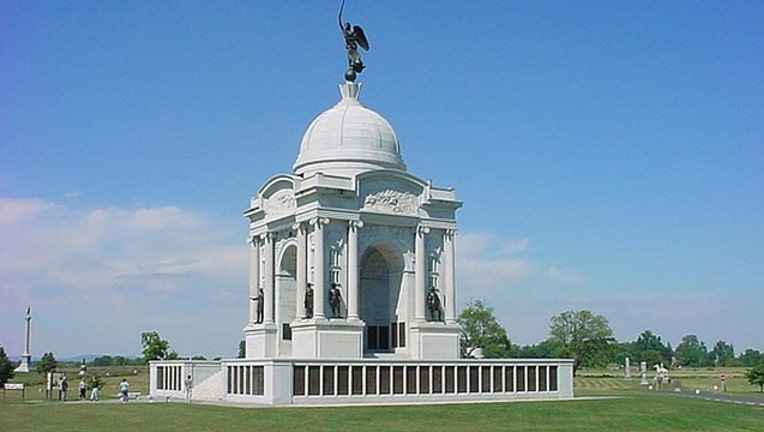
(335, 301)
(309, 301)
(260, 299)
(433, 303)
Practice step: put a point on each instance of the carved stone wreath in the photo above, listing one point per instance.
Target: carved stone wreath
(280, 203)
(392, 201)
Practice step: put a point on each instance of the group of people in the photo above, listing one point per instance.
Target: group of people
(124, 389)
(63, 389)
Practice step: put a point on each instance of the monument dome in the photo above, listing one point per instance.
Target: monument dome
(347, 139)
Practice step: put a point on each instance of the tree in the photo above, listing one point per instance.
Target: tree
(691, 351)
(585, 337)
(481, 329)
(723, 354)
(242, 349)
(621, 350)
(756, 376)
(751, 357)
(154, 347)
(650, 348)
(6, 367)
(549, 348)
(47, 363)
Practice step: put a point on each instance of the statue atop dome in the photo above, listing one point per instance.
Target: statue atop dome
(354, 38)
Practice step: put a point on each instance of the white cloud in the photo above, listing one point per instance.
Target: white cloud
(513, 247)
(563, 278)
(485, 263)
(73, 263)
(15, 211)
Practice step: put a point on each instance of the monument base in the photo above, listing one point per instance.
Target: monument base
(260, 340)
(435, 340)
(24, 366)
(328, 338)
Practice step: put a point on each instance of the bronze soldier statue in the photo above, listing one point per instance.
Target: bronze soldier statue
(260, 299)
(309, 301)
(433, 303)
(335, 301)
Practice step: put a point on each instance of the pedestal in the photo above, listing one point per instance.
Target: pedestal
(327, 338)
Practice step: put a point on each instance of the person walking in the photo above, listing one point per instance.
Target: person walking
(94, 393)
(124, 386)
(83, 389)
(189, 384)
(64, 387)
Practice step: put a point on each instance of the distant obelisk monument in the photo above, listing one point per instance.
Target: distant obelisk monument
(26, 357)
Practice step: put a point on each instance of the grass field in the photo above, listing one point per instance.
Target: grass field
(625, 406)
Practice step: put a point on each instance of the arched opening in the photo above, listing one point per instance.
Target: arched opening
(286, 295)
(381, 299)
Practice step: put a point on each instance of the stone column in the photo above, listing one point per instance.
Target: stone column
(420, 270)
(450, 268)
(268, 276)
(352, 270)
(254, 277)
(302, 270)
(319, 275)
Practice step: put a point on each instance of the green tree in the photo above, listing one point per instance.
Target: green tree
(723, 354)
(6, 367)
(650, 348)
(481, 329)
(751, 357)
(47, 363)
(691, 351)
(621, 350)
(154, 347)
(548, 348)
(585, 337)
(756, 376)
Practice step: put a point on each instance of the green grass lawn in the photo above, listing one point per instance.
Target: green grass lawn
(630, 409)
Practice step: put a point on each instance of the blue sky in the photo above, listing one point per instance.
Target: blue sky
(610, 156)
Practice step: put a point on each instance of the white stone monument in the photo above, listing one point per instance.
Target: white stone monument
(352, 291)
(26, 356)
(352, 288)
(354, 225)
